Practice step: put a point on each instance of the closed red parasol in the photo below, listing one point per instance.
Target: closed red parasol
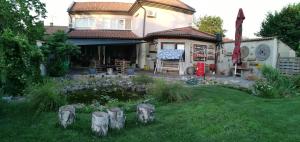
(236, 56)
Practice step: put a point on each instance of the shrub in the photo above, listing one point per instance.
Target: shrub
(274, 84)
(142, 79)
(271, 74)
(1, 105)
(173, 92)
(45, 96)
(19, 63)
(296, 81)
(58, 53)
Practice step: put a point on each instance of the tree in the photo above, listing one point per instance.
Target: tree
(211, 24)
(285, 25)
(58, 53)
(19, 63)
(23, 16)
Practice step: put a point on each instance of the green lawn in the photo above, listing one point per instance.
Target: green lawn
(214, 114)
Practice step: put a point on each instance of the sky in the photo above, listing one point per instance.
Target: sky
(255, 12)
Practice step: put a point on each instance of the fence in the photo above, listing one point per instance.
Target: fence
(289, 66)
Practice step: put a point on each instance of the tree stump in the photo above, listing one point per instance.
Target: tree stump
(145, 113)
(100, 122)
(116, 118)
(66, 115)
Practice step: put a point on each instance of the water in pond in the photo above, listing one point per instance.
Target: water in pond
(103, 95)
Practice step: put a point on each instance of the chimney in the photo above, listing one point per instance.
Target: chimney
(51, 24)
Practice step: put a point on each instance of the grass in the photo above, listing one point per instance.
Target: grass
(214, 114)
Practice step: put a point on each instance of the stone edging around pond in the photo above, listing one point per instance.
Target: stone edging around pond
(86, 82)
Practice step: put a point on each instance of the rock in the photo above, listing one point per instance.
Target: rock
(116, 118)
(100, 122)
(78, 106)
(7, 99)
(145, 113)
(66, 115)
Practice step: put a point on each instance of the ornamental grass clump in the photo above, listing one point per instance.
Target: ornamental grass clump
(142, 79)
(45, 97)
(274, 84)
(169, 92)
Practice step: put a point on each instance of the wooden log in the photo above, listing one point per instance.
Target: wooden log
(66, 115)
(145, 113)
(100, 122)
(116, 118)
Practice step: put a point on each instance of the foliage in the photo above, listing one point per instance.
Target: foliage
(19, 63)
(169, 92)
(1, 105)
(23, 16)
(274, 84)
(211, 24)
(59, 52)
(142, 79)
(45, 96)
(296, 81)
(284, 24)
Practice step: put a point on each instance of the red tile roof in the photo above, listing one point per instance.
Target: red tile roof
(123, 7)
(103, 34)
(186, 32)
(100, 7)
(172, 3)
(52, 29)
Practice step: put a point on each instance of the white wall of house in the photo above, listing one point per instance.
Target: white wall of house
(277, 48)
(164, 19)
(137, 22)
(285, 51)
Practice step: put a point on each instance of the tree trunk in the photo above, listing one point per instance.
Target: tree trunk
(100, 121)
(66, 115)
(145, 113)
(116, 118)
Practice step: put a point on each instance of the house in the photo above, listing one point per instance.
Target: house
(51, 29)
(255, 53)
(139, 32)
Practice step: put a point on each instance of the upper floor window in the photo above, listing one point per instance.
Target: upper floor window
(103, 23)
(85, 22)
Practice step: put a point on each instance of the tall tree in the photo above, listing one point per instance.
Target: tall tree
(23, 16)
(211, 24)
(284, 24)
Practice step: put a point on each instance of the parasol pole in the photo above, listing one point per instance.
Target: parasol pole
(235, 68)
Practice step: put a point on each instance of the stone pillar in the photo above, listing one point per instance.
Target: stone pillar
(145, 113)
(100, 122)
(66, 115)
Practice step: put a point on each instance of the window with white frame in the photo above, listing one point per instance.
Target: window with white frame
(106, 23)
(85, 22)
(121, 24)
(172, 45)
(168, 46)
(102, 23)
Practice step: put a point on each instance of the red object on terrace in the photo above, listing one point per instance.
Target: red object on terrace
(200, 70)
(236, 56)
